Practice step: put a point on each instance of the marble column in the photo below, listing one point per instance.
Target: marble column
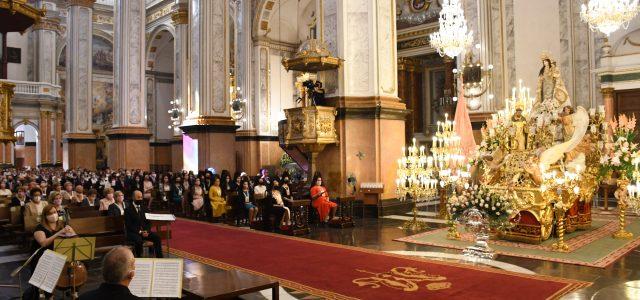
(44, 139)
(180, 18)
(609, 103)
(80, 141)
(45, 33)
(371, 117)
(208, 117)
(58, 144)
(128, 145)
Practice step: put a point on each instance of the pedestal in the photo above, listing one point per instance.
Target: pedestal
(128, 148)
(215, 140)
(79, 151)
(176, 154)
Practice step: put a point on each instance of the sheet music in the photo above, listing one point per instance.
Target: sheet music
(167, 278)
(160, 217)
(159, 278)
(141, 283)
(48, 271)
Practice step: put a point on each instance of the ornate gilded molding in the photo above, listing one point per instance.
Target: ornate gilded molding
(180, 17)
(607, 92)
(85, 3)
(208, 121)
(159, 13)
(48, 24)
(23, 8)
(6, 129)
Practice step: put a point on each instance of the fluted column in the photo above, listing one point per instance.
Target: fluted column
(129, 137)
(44, 138)
(208, 120)
(180, 18)
(80, 147)
(58, 145)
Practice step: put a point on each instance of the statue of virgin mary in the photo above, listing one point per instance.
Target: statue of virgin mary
(552, 95)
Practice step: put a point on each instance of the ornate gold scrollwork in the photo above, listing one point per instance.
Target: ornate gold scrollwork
(406, 279)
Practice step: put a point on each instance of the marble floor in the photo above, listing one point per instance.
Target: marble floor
(617, 281)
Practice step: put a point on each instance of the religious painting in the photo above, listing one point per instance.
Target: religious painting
(102, 111)
(420, 5)
(102, 54)
(14, 55)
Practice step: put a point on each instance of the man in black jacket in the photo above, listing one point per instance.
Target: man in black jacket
(118, 269)
(139, 228)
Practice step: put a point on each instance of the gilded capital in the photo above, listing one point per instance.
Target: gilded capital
(607, 92)
(85, 3)
(180, 16)
(47, 24)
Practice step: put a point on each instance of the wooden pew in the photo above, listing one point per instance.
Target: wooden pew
(109, 231)
(84, 212)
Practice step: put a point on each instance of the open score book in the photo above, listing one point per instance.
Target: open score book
(157, 278)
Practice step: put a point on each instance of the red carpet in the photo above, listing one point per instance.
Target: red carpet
(342, 272)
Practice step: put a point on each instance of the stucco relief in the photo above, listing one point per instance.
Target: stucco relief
(83, 71)
(134, 31)
(194, 23)
(358, 52)
(264, 90)
(386, 46)
(218, 55)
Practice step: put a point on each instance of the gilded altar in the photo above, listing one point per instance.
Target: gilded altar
(530, 136)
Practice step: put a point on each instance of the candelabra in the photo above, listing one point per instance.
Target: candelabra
(476, 80)
(237, 103)
(415, 178)
(562, 187)
(449, 166)
(630, 200)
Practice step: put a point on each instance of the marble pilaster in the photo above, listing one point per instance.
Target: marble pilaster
(45, 33)
(45, 138)
(371, 118)
(180, 19)
(208, 117)
(79, 137)
(129, 131)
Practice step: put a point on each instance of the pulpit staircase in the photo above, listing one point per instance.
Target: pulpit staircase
(296, 154)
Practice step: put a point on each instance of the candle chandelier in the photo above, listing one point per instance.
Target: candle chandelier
(453, 36)
(175, 114)
(608, 15)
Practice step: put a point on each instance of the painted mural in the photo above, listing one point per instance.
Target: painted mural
(102, 104)
(102, 52)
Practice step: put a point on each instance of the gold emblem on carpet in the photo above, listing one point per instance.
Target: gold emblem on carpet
(407, 279)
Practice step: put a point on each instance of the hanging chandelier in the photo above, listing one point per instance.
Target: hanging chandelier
(452, 37)
(608, 15)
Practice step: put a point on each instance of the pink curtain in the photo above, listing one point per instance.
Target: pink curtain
(463, 126)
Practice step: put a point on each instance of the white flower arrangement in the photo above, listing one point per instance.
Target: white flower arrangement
(496, 206)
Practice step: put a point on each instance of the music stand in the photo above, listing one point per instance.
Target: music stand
(76, 249)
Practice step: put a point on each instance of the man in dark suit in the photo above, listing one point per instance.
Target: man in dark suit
(118, 269)
(139, 228)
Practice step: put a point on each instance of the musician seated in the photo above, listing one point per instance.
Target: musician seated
(138, 228)
(90, 200)
(33, 210)
(320, 200)
(117, 208)
(118, 269)
(44, 234)
(50, 228)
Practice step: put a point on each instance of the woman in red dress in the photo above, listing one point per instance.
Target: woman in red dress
(320, 200)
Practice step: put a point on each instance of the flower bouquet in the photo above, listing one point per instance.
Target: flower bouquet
(497, 207)
(620, 150)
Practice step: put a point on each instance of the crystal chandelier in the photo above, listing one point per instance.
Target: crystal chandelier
(452, 37)
(608, 15)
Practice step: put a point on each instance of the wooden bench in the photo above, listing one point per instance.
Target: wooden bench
(109, 231)
(84, 212)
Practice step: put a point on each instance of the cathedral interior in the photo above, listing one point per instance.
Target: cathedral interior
(381, 149)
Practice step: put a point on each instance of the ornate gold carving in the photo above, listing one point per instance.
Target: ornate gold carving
(23, 8)
(165, 10)
(6, 129)
(180, 17)
(406, 279)
(208, 120)
(47, 24)
(85, 3)
(311, 125)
